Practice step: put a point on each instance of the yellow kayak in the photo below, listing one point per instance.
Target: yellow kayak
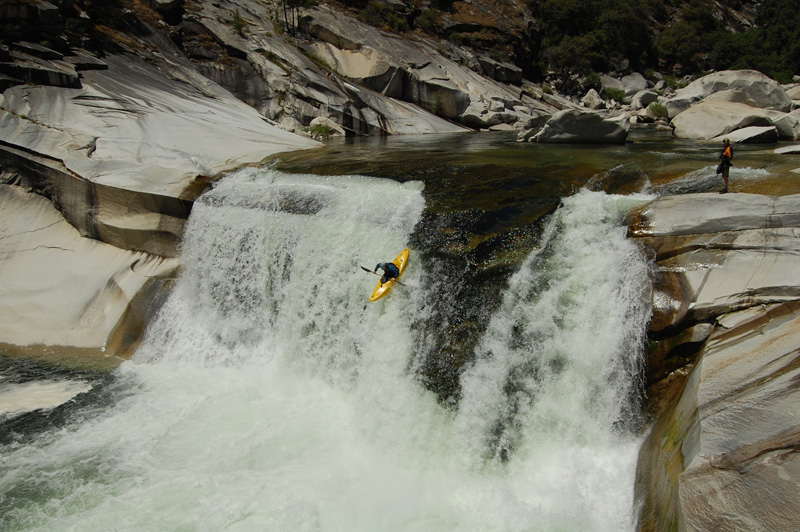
(383, 289)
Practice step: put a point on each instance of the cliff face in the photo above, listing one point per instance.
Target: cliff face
(722, 455)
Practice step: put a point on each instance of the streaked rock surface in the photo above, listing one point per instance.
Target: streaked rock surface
(61, 289)
(722, 454)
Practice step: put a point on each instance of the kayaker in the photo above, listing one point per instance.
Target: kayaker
(725, 164)
(390, 271)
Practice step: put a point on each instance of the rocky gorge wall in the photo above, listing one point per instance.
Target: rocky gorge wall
(723, 451)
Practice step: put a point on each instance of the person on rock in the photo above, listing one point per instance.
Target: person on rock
(390, 271)
(725, 164)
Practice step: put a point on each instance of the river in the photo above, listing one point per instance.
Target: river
(497, 390)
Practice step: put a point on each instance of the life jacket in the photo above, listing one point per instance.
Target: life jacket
(728, 152)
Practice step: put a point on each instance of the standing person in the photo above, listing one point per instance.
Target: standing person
(390, 271)
(725, 164)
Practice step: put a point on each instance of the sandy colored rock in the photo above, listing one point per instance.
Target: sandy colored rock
(62, 289)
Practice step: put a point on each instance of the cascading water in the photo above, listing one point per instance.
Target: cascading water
(269, 397)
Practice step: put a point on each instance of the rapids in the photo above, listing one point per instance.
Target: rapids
(269, 396)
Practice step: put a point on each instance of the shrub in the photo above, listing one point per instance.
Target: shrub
(239, 22)
(428, 20)
(659, 110)
(322, 131)
(438, 105)
(380, 15)
(592, 81)
(610, 93)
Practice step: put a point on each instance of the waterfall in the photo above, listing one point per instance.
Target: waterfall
(270, 396)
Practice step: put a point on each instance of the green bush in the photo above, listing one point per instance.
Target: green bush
(321, 131)
(610, 93)
(380, 15)
(428, 20)
(456, 38)
(592, 81)
(658, 110)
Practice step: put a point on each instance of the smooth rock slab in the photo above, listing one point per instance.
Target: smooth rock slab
(717, 253)
(58, 288)
(763, 91)
(725, 457)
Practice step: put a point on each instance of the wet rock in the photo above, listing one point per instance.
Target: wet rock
(751, 135)
(731, 440)
(791, 150)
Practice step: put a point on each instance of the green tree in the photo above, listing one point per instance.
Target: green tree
(773, 47)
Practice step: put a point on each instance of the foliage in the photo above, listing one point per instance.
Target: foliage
(428, 20)
(659, 110)
(381, 15)
(577, 37)
(592, 81)
(773, 47)
(239, 22)
(581, 36)
(610, 93)
(438, 105)
(321, 131)
(456, 38)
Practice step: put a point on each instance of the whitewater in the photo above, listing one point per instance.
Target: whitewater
(269, 395)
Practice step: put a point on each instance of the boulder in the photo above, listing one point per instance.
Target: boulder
(607, 82)
(793, 92)
(788, 125)
(710, 119)
(322, 123)
(791, 150)
(572, 126)
(653, 112)
(643, 98)
(751, 135)
(633, 83)
(592, 100)
(763, 91)
(500, 71)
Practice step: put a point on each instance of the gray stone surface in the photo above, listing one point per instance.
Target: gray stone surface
(572, 126)
(723, 456)
(62, 289)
